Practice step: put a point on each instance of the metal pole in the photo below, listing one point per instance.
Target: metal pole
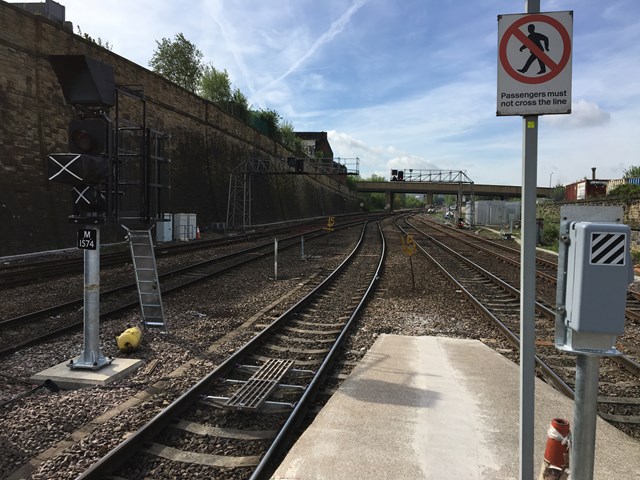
(91, 357)
(275, 258)
(584, 417)
(528, 284)
(245, 178)
(528, 295)
(302, 247)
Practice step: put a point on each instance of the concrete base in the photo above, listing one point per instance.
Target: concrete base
(69, 379)
(437, 408)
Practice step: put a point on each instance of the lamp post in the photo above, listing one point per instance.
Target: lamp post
(550, 177)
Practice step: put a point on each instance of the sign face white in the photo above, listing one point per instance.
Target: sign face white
(534, 63)
(87, 239)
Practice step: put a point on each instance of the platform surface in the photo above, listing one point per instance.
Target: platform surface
(437, 408)
(68, 379)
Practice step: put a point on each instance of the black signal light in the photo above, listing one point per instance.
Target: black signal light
(81, 140)
(89, 135)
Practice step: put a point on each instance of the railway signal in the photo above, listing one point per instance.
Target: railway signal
(87, 166)
(88, 85)
(296, 163)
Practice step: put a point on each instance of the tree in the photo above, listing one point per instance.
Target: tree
(239, 105)
(97, 41)
(371, 201)
(557, 193)
(631, 172)
(178, 61)
(272, 119)
(240, 99)
(215, 85)
(289, 137)
(375, 178)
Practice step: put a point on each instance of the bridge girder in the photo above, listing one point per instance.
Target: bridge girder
(504, 191)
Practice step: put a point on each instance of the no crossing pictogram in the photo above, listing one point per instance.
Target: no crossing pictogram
(538, 45)
(534, 63)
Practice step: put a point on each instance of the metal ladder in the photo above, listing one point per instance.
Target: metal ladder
(144, 264)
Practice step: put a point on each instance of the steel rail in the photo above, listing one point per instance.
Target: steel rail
(284, 438)
(120, 454)
(287, 243)
(168, 274)
(477, 243)
(632, 311)
(623, 360)
(511, 337)
(25, 272)
(628, 363)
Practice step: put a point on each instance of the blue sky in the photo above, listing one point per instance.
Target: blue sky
(404, 84)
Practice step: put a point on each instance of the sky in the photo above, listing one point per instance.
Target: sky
(404, 84)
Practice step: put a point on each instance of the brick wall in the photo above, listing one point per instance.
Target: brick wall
(631, 212)
(205, 144)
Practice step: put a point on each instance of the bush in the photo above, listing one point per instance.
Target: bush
(550, 234)
(551, 226)
(625, 192)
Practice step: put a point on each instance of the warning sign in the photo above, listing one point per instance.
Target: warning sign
(608, 248)
(534, 63)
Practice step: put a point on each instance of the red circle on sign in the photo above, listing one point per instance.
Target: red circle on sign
(554, 71)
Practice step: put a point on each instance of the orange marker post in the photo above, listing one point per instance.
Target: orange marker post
(556, 453)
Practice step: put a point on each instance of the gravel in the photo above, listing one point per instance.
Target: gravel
(68, 430)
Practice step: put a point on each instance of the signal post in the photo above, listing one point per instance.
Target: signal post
(87, 167)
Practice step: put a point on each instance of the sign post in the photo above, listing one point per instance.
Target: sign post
(534, 78)
(91, 357)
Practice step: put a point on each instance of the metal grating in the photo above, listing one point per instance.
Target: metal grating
(257, 389)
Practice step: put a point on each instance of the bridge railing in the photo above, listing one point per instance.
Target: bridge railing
(434, 176)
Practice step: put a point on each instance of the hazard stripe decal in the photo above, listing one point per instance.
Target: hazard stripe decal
(608, 248)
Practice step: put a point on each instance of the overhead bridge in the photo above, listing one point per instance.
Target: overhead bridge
(453, 188)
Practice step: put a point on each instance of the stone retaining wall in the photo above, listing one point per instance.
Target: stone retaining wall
(205, 145)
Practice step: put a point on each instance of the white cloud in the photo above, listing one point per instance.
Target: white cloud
(408, 84)
(583, 114)
(375, 159)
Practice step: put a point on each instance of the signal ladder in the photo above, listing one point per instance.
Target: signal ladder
(144, 264)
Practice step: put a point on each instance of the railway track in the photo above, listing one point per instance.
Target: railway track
(24, 272)
(546, 269)
(237, 421)
(44, 324)
(498, 300)
(502, 250)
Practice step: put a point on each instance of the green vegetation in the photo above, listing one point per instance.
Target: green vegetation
(625, 192)
(97, 41)
(215, 85)
(632, 172)
(557, 193)
(179, 61)
(290, 139)
(550, 228)
(371, 201)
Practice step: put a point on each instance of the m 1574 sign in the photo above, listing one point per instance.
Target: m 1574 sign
(87, 239)
(534, 63)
